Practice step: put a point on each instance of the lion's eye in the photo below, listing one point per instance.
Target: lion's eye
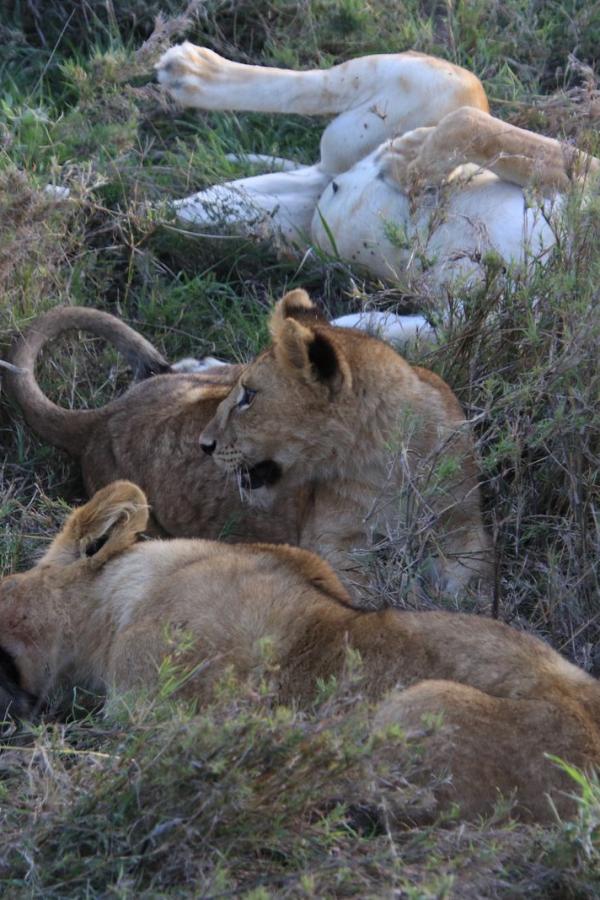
(246, 398)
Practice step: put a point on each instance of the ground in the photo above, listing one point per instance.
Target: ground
(151, 798)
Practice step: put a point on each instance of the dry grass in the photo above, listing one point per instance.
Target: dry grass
(245, 799)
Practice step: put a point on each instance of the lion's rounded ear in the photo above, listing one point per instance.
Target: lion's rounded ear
(291, 343)
(107, 525)
(293, 305)
(293, 302)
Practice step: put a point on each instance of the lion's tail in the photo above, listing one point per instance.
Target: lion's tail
(69, 428)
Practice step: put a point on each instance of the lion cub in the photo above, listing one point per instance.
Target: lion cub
(102, 611)
(379, 448)
(329, 441)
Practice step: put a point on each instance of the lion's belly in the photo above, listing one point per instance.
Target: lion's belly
(484, 215)
(368, 221)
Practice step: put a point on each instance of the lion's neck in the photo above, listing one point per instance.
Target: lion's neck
(364, 464)
(343, 514)
(72, 640)
(100, 605)
(356, 497)
(87, 638)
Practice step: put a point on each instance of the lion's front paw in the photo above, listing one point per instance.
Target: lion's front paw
(407, 148)
(193, 74)
(402, 157)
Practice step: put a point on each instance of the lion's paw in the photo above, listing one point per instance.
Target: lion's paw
(192, 73)
(403, 155)
(410, 142)
(407, 147)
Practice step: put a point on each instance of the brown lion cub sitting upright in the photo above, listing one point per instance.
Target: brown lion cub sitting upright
(329, 441)
(102, 611)
(366, 435)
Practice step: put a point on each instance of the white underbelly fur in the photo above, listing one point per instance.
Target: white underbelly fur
(446, 235)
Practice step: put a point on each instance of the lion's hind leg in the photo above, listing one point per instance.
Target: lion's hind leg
(373, 98)
(199, 77)
(493, 749)
(469, 135)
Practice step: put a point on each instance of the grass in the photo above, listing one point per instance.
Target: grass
(245, 799)
(156, 798)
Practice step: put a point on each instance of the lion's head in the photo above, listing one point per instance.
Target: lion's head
(294, 409)
(36, 622)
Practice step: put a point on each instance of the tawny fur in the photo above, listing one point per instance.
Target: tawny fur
(352, 443)
(103, 611)
(342, 414)
(415, 178)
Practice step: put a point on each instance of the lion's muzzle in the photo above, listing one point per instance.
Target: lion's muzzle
(264, 474)
(15, 701)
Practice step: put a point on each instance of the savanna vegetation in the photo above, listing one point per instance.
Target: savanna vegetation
(150, 797)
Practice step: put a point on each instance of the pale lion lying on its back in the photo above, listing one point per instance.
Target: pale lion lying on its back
(337, 444)
(102, 611)
(416, 181)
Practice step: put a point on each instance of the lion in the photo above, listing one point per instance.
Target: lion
(104, 611)
(381, 433)
(342, 445)
(416, 180)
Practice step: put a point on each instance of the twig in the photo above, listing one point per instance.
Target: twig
(16, 369)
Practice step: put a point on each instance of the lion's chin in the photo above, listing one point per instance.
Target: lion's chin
(263, 474)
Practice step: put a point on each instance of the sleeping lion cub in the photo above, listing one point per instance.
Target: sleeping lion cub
(329, 441)
(102, 611)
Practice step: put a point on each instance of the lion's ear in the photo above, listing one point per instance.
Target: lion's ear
(107, 525)
(293, 305)
(312, 355)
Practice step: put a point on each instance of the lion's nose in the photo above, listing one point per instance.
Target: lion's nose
(208, 447)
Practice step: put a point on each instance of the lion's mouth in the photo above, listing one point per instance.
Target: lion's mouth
(14, 699)
(263, 474)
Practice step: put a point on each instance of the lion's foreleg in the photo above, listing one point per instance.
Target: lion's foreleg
(390, 326)
(466, 560)
(278, 206)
